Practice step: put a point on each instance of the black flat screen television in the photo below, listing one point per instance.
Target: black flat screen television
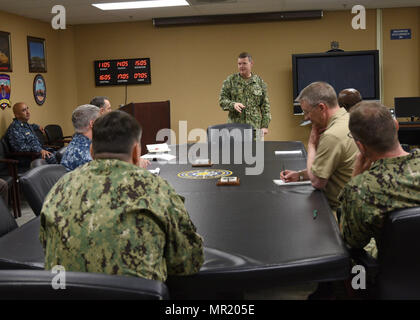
(342, 69)
(406, 107)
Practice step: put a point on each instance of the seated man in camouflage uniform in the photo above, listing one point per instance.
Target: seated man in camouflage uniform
(244, 95)
(78, 150)
(111, 216)
(385, 177)
(22, 137)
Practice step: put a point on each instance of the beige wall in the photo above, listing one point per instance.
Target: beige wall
(60, 77)
(401, 57)
(189, 64)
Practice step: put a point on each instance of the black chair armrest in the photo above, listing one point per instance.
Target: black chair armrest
(12, 167)
(29, 154)
(9, 161)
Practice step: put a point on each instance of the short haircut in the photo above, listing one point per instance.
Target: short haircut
(99, 101)
(347, 98)
(372, 124)
(82, 115)
(318, 92)
(244, 55)
(115, 132)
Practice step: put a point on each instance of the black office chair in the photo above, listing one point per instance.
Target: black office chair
(396, 271)
(24, 157)
(7, 222)
(38, 162)
(60, 153)
(233, 132)
(38, 284)
(9, 173)
(55, 136)
(37, 182)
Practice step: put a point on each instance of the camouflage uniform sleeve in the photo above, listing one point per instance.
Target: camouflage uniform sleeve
(42, 235)
(355, 225)
(35, 126)
(184, 248)
(265, 107)
(225, 96)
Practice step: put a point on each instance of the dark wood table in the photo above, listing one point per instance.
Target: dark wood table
(256, 234)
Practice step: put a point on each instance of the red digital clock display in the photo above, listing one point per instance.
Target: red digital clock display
(122, 71)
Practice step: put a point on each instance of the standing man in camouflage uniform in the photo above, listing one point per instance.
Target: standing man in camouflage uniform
(385, 177)
(21, 135)
(111, 216)
(244, 95)
(78, 150)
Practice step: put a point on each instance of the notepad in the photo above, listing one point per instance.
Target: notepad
(288, 152)
(280, 182)
(158, 156)
(160, 147)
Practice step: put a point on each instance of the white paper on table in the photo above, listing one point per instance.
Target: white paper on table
(155, 171)
(278, 153)
(280, 182)
(160, 147)
(158, 156)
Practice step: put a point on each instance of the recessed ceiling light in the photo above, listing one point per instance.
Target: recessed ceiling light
(140, 4)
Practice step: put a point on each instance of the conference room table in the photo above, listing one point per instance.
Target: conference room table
(256, 234)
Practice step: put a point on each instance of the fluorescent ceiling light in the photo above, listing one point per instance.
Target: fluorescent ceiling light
(140, 4)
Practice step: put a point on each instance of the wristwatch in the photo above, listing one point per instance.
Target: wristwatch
(301, 177)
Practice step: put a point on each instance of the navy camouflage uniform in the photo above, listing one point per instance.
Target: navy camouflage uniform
(77, 152)
(110, 216)
(22, 138)
(252, 93)
(389, 184)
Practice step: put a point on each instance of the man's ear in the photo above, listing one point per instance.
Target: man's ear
(135, 153)
(397, 126)
(361, 147)
(91, 151)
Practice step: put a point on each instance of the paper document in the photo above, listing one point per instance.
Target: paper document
(296, 152)
(280, 182)
(160, 147)
(158, 156)
(155, 171)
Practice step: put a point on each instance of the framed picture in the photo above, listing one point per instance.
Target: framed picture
(5, 52)
(40, 90)
(36, 55)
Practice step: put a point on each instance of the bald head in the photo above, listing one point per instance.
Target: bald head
(347, 98)
(21, 111)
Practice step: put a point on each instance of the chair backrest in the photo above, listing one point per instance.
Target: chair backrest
(399, 258)
(233, 132)
(60, 153)
(37, 284)
(38, 162)
(7, 222)
(54, 135)
(42, 139)
(3, 166)
(37, 182)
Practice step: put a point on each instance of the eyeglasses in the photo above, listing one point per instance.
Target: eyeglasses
(351, 136)
(308, 112)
